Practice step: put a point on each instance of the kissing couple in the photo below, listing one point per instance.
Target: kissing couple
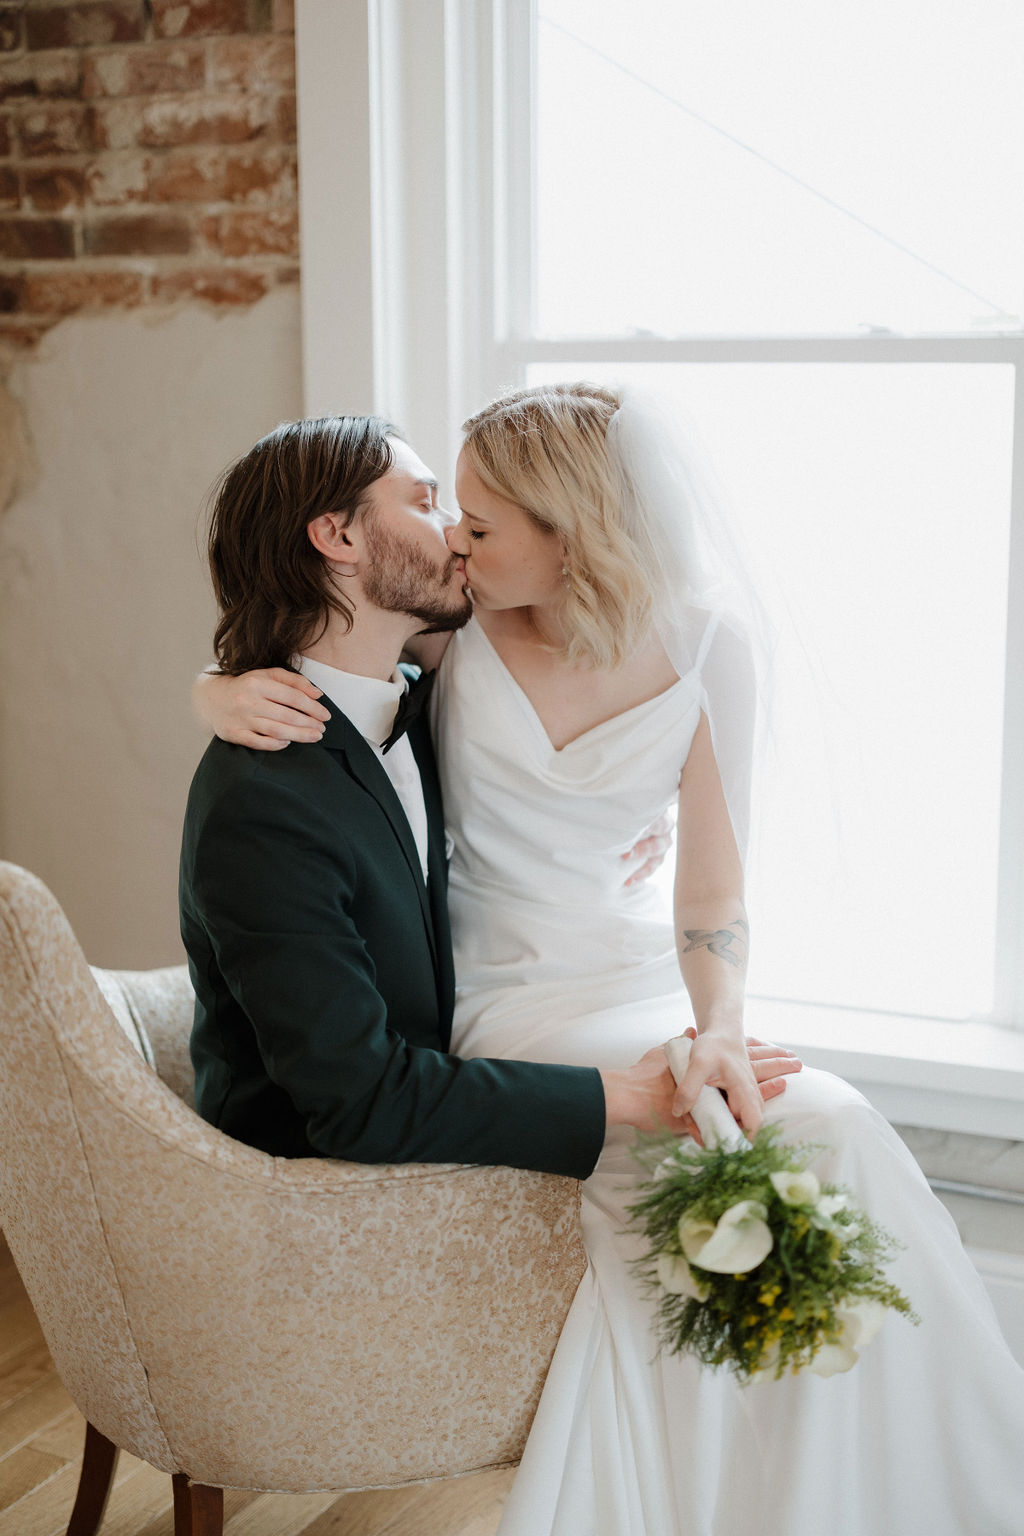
(589, 672)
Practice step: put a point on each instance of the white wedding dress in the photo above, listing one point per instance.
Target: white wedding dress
(557, 961)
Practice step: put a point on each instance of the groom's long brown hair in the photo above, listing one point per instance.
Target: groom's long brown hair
(275, 591)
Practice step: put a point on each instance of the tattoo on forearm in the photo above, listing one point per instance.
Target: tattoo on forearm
(726, 943)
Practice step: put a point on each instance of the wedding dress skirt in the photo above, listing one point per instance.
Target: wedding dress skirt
(557, 961)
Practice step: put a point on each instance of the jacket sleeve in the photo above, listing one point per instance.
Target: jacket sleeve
(276, 893)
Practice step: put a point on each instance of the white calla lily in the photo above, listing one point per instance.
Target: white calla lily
(860, 1320)
(833, 1359)
(829, 1205)
(674, 1275)
(738, 1242)
(796, 1188)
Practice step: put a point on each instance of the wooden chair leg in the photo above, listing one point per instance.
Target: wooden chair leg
(98, 1463)
(198, 1509)
(182, 1505)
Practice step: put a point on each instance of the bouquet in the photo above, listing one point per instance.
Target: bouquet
(757, 1266)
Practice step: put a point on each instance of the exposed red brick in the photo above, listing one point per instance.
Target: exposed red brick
(116, 125)
(138, 234)
(186, 120)
(283, 15)
(10, 188)
(11, 32)
(41, 75)
(62, 293)
(36, 239)
(55, 130)
(199, 18)
(12, 293)
(241, 63)
(56, 188)
(286, 124)
(187, 176)
(116, 179)
(85, 26)
(270, 232)
(18, 335)
(143, 71)
(216, 285)
(266, 176)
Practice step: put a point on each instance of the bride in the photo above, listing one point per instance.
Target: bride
(603, 677)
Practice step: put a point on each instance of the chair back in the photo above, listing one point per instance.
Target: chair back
(255, 1322)
(52, 1013)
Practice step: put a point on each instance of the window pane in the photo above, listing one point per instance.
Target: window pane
(874, 502)
(728, 166)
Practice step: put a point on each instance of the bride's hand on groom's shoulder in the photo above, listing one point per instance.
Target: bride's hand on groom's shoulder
(265, 709)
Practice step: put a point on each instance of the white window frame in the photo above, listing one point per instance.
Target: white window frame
(416, 300)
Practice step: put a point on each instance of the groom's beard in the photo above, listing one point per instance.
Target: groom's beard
(401, 578)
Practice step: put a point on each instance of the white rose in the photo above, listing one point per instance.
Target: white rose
(860, 1321)
(796, 1188)
(674, 1275)
(738, 1242)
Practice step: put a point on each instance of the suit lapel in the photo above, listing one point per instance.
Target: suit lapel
(437, 863)
(342, 738)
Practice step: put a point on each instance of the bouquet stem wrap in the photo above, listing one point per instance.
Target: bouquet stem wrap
(754, 1264)
(713, 1116)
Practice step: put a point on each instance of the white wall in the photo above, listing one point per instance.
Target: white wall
(105, 606)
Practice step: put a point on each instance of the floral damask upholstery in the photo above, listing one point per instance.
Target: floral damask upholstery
(253, 1321)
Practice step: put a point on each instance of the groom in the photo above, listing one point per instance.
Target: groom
(312, 881)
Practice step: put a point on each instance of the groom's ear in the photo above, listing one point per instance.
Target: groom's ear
(332, 534)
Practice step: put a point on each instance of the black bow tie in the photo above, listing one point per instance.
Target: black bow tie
(410, 707)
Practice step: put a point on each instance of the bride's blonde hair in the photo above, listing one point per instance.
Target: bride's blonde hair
(545, 449)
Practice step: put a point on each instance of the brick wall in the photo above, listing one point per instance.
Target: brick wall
(147, 156)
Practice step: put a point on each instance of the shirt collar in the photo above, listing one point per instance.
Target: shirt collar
(369, 702)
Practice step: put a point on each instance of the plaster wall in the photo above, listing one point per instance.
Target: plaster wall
(126, 420)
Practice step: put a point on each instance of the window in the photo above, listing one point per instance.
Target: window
(750, 212)
(807, 227)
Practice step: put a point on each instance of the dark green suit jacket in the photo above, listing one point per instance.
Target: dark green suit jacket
(322, 969)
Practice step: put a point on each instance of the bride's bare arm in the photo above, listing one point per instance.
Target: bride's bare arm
(712, 936)
(265, 709)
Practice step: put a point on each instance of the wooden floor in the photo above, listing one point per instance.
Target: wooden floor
(41, 1436)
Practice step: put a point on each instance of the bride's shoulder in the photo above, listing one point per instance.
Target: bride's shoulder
(652, 667)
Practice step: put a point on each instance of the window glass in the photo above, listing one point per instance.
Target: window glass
(874, 503)
(726, 166)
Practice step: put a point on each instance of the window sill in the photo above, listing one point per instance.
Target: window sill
(923, 1072)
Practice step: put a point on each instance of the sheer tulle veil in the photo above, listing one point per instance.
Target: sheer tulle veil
(706, 609)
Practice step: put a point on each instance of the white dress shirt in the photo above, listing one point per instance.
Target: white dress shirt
(371, 704)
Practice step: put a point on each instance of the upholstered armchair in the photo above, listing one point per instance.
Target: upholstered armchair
(240, 1320)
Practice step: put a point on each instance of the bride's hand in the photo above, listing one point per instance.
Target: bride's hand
(265, 709)
(723, 1061)
(650, 850)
